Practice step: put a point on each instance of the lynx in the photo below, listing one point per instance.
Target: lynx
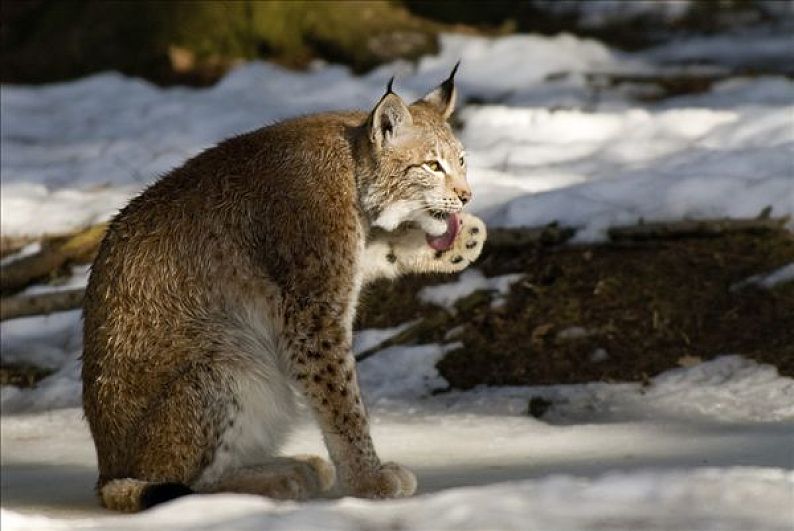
(227, 290)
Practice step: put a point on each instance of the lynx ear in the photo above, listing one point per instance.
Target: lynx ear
(444, 96)
(389, 119)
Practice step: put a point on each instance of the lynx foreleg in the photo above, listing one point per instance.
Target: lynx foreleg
(407, 251)
(323, 366)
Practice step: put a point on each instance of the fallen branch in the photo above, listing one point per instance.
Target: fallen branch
(80, 247)
(42, 304)
(13, 244)
(409, 335)
(694, 228)
(551, 234)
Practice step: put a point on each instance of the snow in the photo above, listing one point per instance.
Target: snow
(598, 14)
(596, 504)
(759, 48)
(75, 152)
(367, 339)
(778, 276)
(28, 250)
(765, 91)
(471, 280)
(768, 280)
(703, 447)
(626, 166)
(41, 340)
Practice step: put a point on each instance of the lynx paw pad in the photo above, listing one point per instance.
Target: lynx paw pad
(468, 245)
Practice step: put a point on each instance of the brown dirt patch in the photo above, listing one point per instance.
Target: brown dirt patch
(643, 308)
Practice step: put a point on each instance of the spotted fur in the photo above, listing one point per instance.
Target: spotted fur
(232, 283)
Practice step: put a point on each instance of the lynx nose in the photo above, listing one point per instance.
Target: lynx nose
(463, 192)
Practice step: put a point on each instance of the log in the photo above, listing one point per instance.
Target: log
(551, 234)
(41, 304)
(409, 335)
(80, 247)
(13, 244)
(696, 228)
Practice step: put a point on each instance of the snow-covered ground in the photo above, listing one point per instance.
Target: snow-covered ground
(707, 447)
(703, 448)
(73, 153)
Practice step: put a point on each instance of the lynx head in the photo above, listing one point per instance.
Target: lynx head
(418, 166)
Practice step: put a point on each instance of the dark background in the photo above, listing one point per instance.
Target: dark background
(195, 42)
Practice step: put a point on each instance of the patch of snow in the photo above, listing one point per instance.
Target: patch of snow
(775, 91)
(759, 47)
(75, 152)
(402, 374)
(599, 355)
(469, 281)
(629, 165)
(572, 332)
(28, 250)
(708, 500)
(45, 341)
(29, 208)
(726, 389)
(62, 389)
(371, 337)
(513, 66)
(603, 12)
(608, 449)
(768, 280)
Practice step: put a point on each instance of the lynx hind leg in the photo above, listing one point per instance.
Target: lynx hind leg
(283, 478)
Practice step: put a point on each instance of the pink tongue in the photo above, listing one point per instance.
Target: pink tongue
(444, 242)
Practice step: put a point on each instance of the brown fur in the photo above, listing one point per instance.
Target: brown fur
(240, 271)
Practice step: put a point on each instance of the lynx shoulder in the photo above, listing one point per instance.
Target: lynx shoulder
(233, 281)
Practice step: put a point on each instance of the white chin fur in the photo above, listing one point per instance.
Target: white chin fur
(432, 226)
(401, 211)
(395, 214)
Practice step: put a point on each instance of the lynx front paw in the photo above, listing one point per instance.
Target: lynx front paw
(467, 246)
(389, 481)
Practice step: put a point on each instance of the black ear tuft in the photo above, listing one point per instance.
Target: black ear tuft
(158, 493)
(444, 96)
(390, 86)
(451, 78)
(389, 119)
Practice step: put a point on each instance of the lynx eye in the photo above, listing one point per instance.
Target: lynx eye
(462, 160)
(434, 166)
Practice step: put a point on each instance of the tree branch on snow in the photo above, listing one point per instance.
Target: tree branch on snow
(550, 234)
(41, 304)
(694, 228)
(409, 335)
(79, 247)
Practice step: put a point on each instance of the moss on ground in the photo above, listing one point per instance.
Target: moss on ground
(196, 41)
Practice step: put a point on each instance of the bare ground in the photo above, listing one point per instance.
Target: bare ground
(618, 312)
